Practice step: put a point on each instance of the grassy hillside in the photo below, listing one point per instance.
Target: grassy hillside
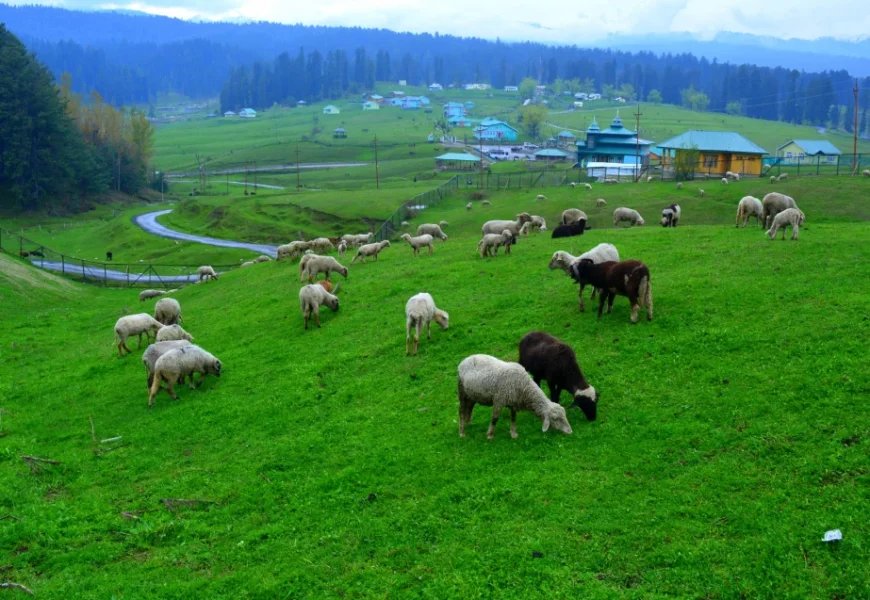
(730, 434)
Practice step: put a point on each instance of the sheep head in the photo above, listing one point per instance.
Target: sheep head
(442, 318)
(640, 221)
(555, 415)
(587, 401)
(332, 302)
(406, 236)
(214, 368)
(523, 218)
(343, 271)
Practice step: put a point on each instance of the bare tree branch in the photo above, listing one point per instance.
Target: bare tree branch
(13, 517)
(93, 433)
(15, 586)
(37, 464)
(265, 478)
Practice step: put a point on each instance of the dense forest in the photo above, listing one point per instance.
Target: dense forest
(55, 149)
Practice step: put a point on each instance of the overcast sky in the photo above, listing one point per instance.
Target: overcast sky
(546, 21)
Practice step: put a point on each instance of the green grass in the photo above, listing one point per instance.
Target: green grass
(730, 437)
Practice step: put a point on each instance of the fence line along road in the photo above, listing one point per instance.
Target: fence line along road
(265, 169)
(149, 223)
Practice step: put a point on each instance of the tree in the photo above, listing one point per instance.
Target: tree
(608, 91)
(528, 86)
(558, 86)
(700, 102)
(686, 163)
(654, 96)
(533, 117)
(627, 91)
(733, 108)
(834, 116)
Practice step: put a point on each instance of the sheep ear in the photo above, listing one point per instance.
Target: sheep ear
(546, 423)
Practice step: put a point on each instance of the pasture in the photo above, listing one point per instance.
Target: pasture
(731, 430)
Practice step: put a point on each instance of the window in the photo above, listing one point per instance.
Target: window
(788, 154)
(831, 158)
(711, 162)
(801, 156)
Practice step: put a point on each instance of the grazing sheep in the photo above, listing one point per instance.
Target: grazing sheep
(749, 206)
(790, 216)
(611, 181)
(433, 230)
(573, 215)
(572, 185)
(321, 245)
(782, 177)
(773, 179)
(443, 224)
(600, 202)
(342, 248)
(169, 333)
(148, 294)
(206, 273)
(420, 311)
(179, 363)
(626, 214)
(700, 192)
(262, 258)
(250, 263)
(370, 250)
(680, 185)
(649, 179)
(311, 298)
(724, 181)
(155, 351)
(293, 249)
(316, 264)
(772, 204)
(571, 230)
(132, 325)
(405, 225)
(765, 169)
(671, 215)
(549, 359)
(486, 203)
(354, 241)
(866, 173)
(540, 197)
(599, 254)
(168, 311)
(587, 186)
(524, 231)
(497, 226)
(488, 381)
(538, 223)
(418, 242)
(468, 206)
(628, 278)
(492, 241)
(736, 176)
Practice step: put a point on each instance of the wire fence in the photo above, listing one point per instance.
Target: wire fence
(411, 207)
(106, 273)
(716, 168)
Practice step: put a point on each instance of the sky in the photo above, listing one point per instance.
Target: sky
(552, 22)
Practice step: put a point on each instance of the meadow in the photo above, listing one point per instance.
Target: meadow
(731, 432)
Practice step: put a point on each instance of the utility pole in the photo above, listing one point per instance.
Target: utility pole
(480, 151)
(298, 186)
(855, 133)
(377, 169)
(255, 178)
(637, 116)
(246, 179)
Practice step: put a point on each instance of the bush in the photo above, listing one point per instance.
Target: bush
(477, 195)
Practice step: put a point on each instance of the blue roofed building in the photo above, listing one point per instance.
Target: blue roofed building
(454, 109)
(807, 151)
(497, 131)
(717, 153)
(615, 144)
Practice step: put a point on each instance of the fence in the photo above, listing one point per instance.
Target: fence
(711, 168)
(101, 273)
(414, 205)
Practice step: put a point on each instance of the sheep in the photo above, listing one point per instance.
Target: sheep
(148, 294)
(524, 231)
(587, 186)
(421, 241)
(736, 177)
(206, 273)
(599, 254)
(316, 264)
(782, 177)
(293, 249)
(311, 298)
(626, 214)
(538, 223)
(354, 241)
(108, 256)
(321, 245)
(405, 225)
(155, 351)
(179, 363)
(169, 333)
(649, 179)
(749, 206)
(420, 311)
(629, 278)
(765, 169)
(611, 181)
(569, 230)
(680, 185)
(540, 197)
(492, 241)
(486, 203)
(250, 263)
(168, 311)
(772, 204)
(601, 202)
(497, 226)
(572, 185)
(700, 192)
(671, 215)
(573, 215)
(443, 224)
(468, 206)
(549, 359)
(370, 250)
(342, 248)
(790, 216)
(773, 179)
(433, 230)
(488, 381)
(262, 258)
(866, 173)
(131, 325)
(724, 181)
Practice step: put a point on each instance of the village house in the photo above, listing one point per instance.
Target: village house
(454, 109)
(813, 152)
(435, 87)
(495, 131)
(369, 105)
(717, 152)
(229, 113)
(330, 110)
(248, 113)
(616, 144)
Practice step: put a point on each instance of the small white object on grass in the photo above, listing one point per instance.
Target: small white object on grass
(834, 535)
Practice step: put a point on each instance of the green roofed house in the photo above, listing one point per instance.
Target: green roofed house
(330, 110)
(813, 152)
(616, 144)
(718, 152)
(339, 133)
(456, 161)
(551, 154)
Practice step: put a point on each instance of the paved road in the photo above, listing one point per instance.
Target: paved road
(267, 168)
(99, 273)
(249, 184)
(149, 223)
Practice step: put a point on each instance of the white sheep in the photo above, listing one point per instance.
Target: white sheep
(626, 214)
(418, 242)
(866, 173)
(311, 298)
(250, 263)
(749, 206)
(443, 224)
(700, 192)
(131, 325)
(420, 311)
(680, 185)
(572, 185)
(169, 333)
(370, 250)
(316, 264)
(354, 241)
(488, 381)
(486, 203)
(206, 273)
(148, 294)
(540, 197)
(293, 249)
(782, 177)
(468, 206)
(262, 258)
(601, 202)
(497, 226)
(587, 186)
(342, 248)
(573, 215)
(433, 230)
(773, 179)
(155, 351)
(179, 363)
(405, 225)
(772, 204)
(538, 223)
(724, 181)
(168, 311)
(790, 216)
(321, 245)
(491, 242)
(599, 254)
(649, 179)
(524, 230)
(735, 176)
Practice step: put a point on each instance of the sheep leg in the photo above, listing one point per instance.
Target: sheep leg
(794, 232)
(555, 392)
(610, 300)
(602, 298)
(316, 312)
(514, 433)
(429, 330)
(580, 297)
(496, 411)
(139, 347)
(418, 329)
(305, 317)
(634, 309)
(408, 338)
(466, 406)
(170, 387)
(430, 248)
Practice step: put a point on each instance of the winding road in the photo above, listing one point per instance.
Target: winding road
(149, 223)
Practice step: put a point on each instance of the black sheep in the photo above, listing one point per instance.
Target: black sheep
(549, 359)
(108, 256)
(629, 278)
(570, 230)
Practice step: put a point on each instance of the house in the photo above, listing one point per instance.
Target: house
(551, 155)
(229, 113)
(477, 86)
(424, 100)
(566, 137)
(376, 98)
(427, 109)
(578, 104)
(454, 109)
(435, 87)
(796, 152)
(619, 99)
(616, 144)
(410, 103)
(551, 142)
(331, 110)
(469, 105)
(457, 160)
(718, 152)
(511, 88)
(462, 121)
(248, 113)
(369, 105)
(498, 131)
(395, 102)
(594, 97)
(431, 138)
(403, 82)
(339, 133)
(397, 94)
(301, 103)
(581, 96)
